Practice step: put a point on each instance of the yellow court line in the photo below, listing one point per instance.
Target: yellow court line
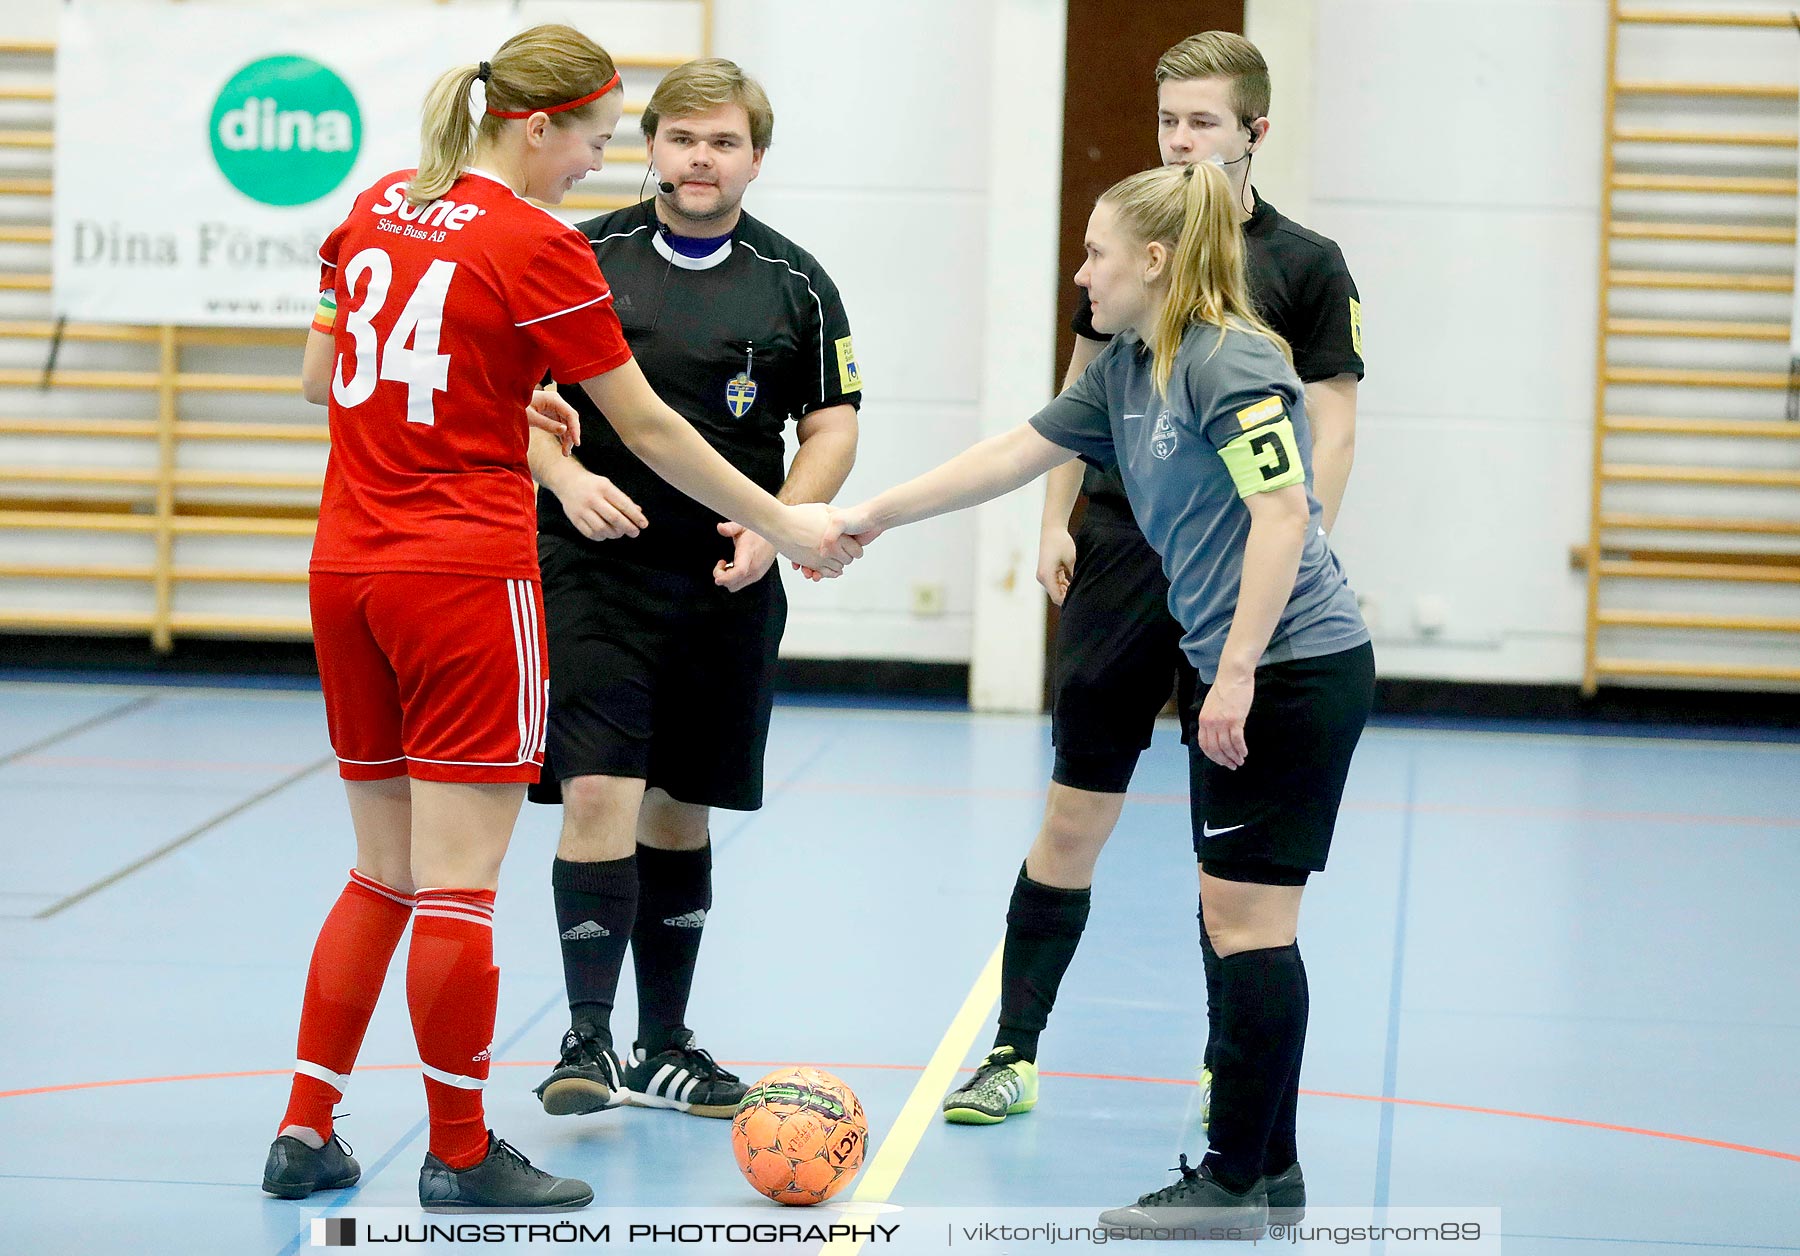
(883, 1172)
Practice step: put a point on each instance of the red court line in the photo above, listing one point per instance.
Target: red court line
(1563, 1120)
(1577, 1122)
(188, 1077)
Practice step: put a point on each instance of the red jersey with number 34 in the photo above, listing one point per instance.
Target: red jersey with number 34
(446, 317)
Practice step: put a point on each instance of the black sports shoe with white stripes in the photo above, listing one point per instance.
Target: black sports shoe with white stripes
(683, 1078)
(588, 1079)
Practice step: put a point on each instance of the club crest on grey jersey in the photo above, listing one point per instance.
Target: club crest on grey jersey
(1163, 438)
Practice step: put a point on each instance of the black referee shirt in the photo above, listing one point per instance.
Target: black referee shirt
(739, 343)
(1302, 289)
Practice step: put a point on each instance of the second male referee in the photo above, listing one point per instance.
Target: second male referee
(664, 620)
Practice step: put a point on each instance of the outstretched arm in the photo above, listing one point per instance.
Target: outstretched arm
(821, 464)
(680, 455)
(996, 466)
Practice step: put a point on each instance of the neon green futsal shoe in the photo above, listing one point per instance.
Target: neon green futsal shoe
(1003, 1086)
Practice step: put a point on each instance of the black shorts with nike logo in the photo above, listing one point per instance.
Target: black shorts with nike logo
(1271, 820)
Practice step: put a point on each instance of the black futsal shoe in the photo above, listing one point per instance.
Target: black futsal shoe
(684, 1079)
(504, 1181)
(294, 1170)
(588, 1078)
(1195, 1206)
(1287, 1196)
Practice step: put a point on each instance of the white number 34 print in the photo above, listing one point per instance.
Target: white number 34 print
(420, 367)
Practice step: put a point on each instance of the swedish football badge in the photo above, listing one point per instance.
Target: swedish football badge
(740, 394)
(1162, 437)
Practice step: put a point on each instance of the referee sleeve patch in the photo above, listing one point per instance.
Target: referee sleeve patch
(1263, 411)
(1356, 325)
(325, 317)
(1264, 460)
(849, 378)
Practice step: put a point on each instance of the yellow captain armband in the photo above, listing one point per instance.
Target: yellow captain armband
(1264, 459)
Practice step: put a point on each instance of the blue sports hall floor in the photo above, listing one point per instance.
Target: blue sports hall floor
(1553, 975)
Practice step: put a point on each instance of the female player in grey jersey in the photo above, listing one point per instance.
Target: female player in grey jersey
(1197, 404)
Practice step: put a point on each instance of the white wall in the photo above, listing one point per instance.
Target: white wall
(883, 175)
(1286, 33)
(1456, 156)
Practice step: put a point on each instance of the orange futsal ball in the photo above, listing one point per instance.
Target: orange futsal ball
(799, 1135)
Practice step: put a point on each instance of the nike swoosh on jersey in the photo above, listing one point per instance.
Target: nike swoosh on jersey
(1207, 830)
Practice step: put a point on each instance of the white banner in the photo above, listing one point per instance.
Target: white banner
(204, 151)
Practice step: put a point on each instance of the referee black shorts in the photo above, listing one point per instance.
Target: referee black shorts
(1271, 820)
(1117, 659)
(657, 674)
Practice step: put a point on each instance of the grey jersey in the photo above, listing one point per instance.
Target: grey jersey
(1234, 423)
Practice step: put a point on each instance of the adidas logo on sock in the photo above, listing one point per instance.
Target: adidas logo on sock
(585, 930)
(688, 920)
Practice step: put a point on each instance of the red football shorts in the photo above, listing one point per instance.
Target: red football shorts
(434, 676)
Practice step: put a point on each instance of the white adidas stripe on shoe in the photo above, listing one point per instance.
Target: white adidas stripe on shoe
(683, 1079)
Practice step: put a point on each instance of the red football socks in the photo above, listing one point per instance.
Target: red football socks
(452, 988)
(349, 963)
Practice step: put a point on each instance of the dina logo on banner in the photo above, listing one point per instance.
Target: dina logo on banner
(285, 130)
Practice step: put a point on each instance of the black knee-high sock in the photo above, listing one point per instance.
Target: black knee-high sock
(674, 893)
(1209, 960)
(596, 904)
(1262, 1026)
(1043, 928)
(1283, 1152)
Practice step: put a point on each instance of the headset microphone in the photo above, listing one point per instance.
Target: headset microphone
(665, 187)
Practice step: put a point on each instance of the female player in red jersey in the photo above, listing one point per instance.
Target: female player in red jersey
(445, 297)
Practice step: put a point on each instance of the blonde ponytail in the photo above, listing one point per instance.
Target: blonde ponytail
(447, 141)
(540, 68)
(1193, 209)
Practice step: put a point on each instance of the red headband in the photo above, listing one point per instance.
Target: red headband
(563, 108)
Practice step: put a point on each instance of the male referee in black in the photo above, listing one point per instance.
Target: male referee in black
(664, 620)
(1118, 653)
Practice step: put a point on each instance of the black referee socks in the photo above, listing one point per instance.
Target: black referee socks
(674, 894)
(1262, 1027)
(596, 906)
(1043, 928)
